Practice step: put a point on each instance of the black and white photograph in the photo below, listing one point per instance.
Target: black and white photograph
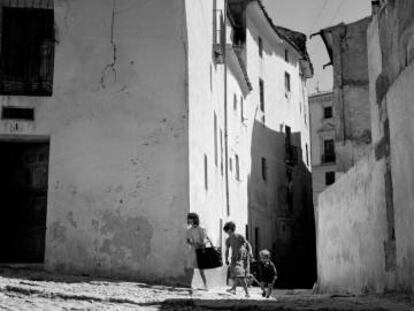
(227, 155)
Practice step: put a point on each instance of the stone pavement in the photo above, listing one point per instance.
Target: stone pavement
(35, 290)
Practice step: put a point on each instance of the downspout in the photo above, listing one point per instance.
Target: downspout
(226, 145)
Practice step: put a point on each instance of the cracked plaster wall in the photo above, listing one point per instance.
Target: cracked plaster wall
(117, 125)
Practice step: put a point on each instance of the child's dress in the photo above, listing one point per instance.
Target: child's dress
(197, 237)
(239, 256)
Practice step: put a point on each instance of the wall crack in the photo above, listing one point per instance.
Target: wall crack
(111, 66)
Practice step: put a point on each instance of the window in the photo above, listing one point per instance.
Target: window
(286, 55)
(288, 131)
(205, 172)
(329, 151)
(260, 43)
(264, 169)
(329, 178)
(27, 51)
(236, 158)
(287, 82)
(231, 164)
(262, 95)
(327, 112)
(235, 102)
(241, 109)
(215, 141)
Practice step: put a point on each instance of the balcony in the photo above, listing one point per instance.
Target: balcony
(292, 155)
(328, 158)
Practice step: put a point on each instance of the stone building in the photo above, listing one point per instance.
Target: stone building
(346, 45)
(120, 117)
(323, 136)
(365, 237)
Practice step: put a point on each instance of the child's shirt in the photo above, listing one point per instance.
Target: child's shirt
(267, 272)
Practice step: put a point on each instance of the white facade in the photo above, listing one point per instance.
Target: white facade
(146, 124)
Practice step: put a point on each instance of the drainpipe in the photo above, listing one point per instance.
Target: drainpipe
(226, 140)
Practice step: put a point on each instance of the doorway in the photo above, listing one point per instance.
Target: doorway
(23, 195)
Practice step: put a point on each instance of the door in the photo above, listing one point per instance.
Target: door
(24, 187)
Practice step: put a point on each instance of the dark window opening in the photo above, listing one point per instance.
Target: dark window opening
(27, 52)
(260, 47)
(286, 55)
(235, 102)
(329, 178)
(15, 113)
(327, 112)
(287, 82)
(262, 95)
(264, 169)
(329, 151)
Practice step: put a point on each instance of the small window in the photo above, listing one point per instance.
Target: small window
(260, 43)
(236, 158)
(235, 102)
(329, 178)
(264, 169)
(231, 164)
(288, 131)
(286, 55)
(17, 113)
(287, 82)
(205, 172)
(262, 95)
(327, 112)
(27, 51)
(329, 151)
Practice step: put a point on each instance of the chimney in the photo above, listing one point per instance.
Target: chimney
(375, 5)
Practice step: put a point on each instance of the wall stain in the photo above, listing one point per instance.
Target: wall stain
(58, 232)
(132, 235)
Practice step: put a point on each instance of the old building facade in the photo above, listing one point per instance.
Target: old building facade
(129, 114)
(346, 45)
(365, 240)
(323, 136)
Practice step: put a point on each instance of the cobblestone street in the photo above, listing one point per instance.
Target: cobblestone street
(34, 290)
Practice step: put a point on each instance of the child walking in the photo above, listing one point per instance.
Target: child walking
(196, 239)
(240, 253)
(267, 273)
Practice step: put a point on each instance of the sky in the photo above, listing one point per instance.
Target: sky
(310, 16)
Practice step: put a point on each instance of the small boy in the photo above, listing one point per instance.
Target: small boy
(267, 273)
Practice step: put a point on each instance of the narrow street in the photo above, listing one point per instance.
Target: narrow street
(36, 290)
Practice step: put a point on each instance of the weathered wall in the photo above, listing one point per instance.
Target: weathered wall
(351, 231)
(117, 124)
(351, 97)
(380, 185)
(400, 111)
